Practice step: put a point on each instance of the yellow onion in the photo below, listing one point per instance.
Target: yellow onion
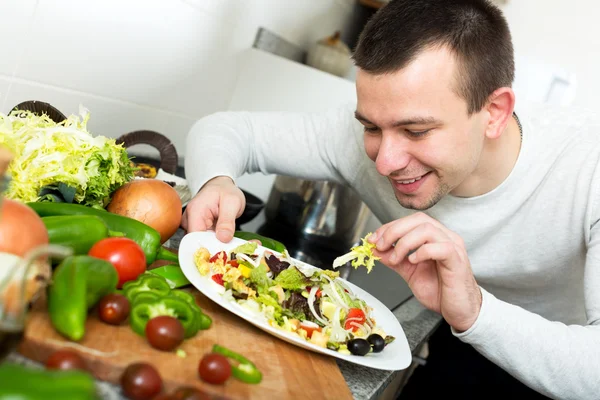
(150, 201)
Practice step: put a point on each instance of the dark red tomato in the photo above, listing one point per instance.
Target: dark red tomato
(125, 254)
(214, 368)
(189, 393)
(164, 332)
(355, 316)
(65, 360)
(113, 308)
(141, 381)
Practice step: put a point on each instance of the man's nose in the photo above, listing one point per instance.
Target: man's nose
(393, 154)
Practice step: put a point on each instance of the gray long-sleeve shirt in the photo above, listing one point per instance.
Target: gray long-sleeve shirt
(533, 241)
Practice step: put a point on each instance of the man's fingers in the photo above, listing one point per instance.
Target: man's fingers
(229, 209)
(196, 221)
(440, 251)
(387, 235)
(412, 240)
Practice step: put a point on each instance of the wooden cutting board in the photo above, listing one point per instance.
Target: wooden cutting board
(289, 372)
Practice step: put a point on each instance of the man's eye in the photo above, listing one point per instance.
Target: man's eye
(371, 129)
(418, 133)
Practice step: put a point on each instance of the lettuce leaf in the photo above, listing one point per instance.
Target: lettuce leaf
(292, 279)
(361, 255)
(49, 156)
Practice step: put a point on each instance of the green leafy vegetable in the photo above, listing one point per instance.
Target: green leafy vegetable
(361, 255)
(292, 279)
(247, 248)
(259, 277)
(61, 161)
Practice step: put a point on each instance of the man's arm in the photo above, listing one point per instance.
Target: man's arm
(304, 145)
(560, 361)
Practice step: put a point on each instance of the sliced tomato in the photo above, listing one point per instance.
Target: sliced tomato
(218, 278)
(220, 255)
(309, 327)
(355, 316)
(317, 295)
(233, 263)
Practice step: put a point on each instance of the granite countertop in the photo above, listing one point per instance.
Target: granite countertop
(364, 383)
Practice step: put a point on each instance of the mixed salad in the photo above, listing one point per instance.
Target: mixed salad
(308, 302)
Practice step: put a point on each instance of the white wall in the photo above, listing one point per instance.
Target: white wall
(563, 33)
(143, 64)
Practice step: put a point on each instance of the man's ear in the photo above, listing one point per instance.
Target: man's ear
(500, 107)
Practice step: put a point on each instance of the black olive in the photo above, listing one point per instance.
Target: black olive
(359, 347)
(377, 342)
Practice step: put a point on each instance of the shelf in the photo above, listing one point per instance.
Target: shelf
(372, 3)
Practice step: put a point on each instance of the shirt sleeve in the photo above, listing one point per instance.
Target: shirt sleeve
(317, 146)
(558, 360)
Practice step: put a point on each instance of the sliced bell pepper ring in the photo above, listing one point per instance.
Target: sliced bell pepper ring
(173, 275)
(245, 370)
(145, 309)
(203, 321)
(146, 283)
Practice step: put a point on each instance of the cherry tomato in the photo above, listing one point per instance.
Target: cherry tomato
(189, 393)
(214, 368)
(113, 308)
(220, 255)
(65, 360)
(164, 332)
(218, 278)
(141, 381)
(125, 254)
(355, 316)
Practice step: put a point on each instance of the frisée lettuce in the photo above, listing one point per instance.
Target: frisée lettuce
(61, 161)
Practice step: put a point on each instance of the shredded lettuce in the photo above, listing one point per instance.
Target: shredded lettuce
(51, 157)
(361, 255)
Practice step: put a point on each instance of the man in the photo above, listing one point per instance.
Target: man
(491, 220)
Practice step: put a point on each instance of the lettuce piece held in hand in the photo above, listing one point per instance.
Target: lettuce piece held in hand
(361, 255)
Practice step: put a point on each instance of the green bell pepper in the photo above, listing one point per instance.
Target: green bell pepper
(265, 241)
(203, 321)
(78, 283)
(145, 282)
(173, 274)
(144, 310)
(79, 232)
(24, 383)
(147, 237)
(245, 370)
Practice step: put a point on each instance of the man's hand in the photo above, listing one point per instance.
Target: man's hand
(216, 207)
(437, 271)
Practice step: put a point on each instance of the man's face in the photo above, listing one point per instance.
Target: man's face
(417, 130)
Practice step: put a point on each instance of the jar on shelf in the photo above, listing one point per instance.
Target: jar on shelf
(331, 55)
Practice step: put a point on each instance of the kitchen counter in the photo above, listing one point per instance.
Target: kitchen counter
(364, 383)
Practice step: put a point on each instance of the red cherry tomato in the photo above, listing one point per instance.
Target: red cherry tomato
(218, 278)
(65, 359)
(355, 316)
(214, 368)
(141, 381)
(125, 254)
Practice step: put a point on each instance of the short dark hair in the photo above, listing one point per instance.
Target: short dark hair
(475, 30)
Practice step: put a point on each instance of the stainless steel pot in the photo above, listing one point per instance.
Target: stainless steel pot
(327, 212)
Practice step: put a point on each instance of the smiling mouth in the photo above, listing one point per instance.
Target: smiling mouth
(409, 181)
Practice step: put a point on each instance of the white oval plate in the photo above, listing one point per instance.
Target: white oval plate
(395, 356)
